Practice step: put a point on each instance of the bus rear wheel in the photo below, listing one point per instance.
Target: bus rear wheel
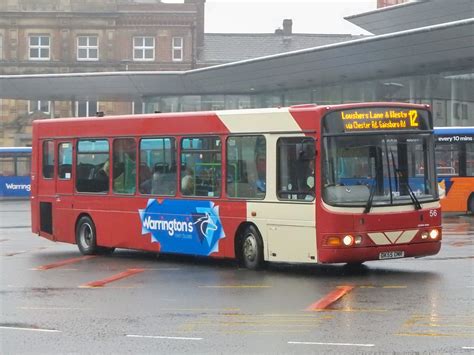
(252, 248)
(86, 238)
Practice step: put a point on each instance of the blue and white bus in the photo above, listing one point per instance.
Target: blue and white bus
(15, 166)
(455, 167)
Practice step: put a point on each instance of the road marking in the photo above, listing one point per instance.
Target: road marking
(335, 344)
(161, 337)
(236, 286)
(330, 298)
(52, 308)
(32, 329)
(15, 253)
(395, 286)
(64, 262)
(101, 283)
(468, 347)
(434, 334)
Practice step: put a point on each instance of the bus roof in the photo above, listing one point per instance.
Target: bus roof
(453, 130)
(15, 149)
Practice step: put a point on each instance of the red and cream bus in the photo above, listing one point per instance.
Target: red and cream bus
(308, 183)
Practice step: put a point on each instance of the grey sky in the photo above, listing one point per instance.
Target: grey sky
(264, 16)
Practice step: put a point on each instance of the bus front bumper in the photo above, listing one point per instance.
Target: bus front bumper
(361, 254)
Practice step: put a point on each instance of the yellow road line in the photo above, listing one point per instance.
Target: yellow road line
(235, 286)
(435, 334)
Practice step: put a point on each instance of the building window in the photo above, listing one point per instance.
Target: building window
(39, 47)
(86, 108)
(178, 49)
(246, 167)
(138, 107)
(39, 105)
(87, 48)
(144, 48)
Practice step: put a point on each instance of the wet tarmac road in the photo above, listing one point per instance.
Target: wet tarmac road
(146, 304)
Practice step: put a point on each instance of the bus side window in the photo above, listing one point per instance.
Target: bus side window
(48, 159)
(246, 167)
(157, 169)
(92, 166)
(201, 166)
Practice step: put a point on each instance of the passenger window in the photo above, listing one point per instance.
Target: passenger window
(124, 168)
(64, 161)
(92, 166)
(246, 167)
(295, 170)
(201, 166)
(157, 172)
(48, 159)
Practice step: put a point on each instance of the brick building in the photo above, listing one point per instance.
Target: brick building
(73, 36)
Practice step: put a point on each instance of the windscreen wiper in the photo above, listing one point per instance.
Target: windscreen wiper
(413, 197)
(368, 206)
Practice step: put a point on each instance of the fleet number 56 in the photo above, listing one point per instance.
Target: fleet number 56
(433, 213)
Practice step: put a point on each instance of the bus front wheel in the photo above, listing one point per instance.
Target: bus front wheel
(252, 249)
(470, 204)
(86, 237)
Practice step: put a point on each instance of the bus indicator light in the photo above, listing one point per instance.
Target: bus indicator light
(333, 241)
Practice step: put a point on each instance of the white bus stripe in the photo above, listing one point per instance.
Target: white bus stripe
(32, 329)
(161, 337)
(336, 344)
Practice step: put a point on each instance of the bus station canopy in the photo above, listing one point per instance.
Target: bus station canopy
(446, 47)
(413, 14)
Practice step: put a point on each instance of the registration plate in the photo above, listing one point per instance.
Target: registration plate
(391, 255)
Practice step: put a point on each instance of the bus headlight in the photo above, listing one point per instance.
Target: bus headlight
(434, 233)
(358, 240)
(424, 235)
(348, 240)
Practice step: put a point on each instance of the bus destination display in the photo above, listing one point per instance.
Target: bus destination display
(375, 119)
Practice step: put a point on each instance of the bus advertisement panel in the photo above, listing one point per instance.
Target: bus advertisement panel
(15, 166)
(304, 184)
(455, 168)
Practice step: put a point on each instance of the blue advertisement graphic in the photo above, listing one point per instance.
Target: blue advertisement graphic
(15, 186)
(183, 226)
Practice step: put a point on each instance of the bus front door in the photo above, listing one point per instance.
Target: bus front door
(63, 202)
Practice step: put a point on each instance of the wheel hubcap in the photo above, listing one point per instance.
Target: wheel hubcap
(86, 234)
(250, 247)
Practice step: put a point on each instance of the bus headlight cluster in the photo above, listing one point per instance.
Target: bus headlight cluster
(347, 240)
(432, 234)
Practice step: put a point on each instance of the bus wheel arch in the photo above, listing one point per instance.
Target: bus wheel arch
(88, 244)
(249, 247)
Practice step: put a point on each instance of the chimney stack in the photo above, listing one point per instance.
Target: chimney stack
(287, 27)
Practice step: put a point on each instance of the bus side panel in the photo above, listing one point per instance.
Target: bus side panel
(458, 190)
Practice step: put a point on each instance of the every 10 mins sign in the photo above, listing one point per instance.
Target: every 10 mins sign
(379, 119)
